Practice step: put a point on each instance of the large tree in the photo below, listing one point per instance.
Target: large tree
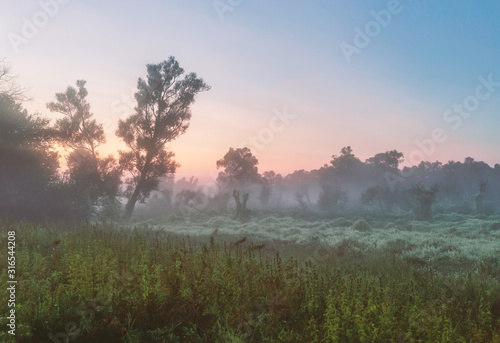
(95, 180)
(346, 163)
(162, 114)
(78, 129)
(388, 160)
(28, 164)
(240, 169)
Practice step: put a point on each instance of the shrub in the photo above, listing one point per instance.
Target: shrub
(495, 226)
(361, 225)
(424, 198)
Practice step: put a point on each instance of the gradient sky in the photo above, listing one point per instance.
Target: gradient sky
(265, 56)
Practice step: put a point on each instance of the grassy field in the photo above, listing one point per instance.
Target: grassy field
(274, 278)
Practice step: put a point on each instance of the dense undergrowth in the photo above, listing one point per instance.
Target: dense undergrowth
(92, 284)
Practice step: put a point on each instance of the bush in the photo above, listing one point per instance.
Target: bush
(361, 225)
(424, 198)
(495, 226)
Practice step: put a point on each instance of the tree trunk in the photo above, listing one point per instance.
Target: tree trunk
(479, 198)
(129, 208)
(236, 196)
(242, 212)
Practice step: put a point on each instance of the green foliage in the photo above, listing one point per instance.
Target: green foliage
(361, 225)
(114, 285)
(424, 198)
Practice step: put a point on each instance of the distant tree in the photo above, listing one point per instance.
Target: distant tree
(240, 170)
(298, 176)
(188, 200)
(272, 177)
(242, 212)
(302, 197)
(95, 180)
(265, 191)
(185, 183)
(331, 196)
(189, 195)
(382, 198)
(300, 181)
(424, 198)
(388, 160)
(479, 198)
(346, 162)
(162, 114)
(345, 170)
(269, 181)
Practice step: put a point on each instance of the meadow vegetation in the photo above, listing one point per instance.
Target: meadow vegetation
(352, 251)
(273, 278)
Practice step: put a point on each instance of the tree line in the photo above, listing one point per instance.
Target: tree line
(32, 184)
(469, 187)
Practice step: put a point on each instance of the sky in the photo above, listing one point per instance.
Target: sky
(293, 80)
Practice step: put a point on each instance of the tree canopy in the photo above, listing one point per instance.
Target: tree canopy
(28, 164)
(240, 169)
(163, 112)
(95, 180)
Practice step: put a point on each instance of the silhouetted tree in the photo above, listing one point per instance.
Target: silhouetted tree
(189, 195)
(479, 198)
(269, 181)
(28, 165)
(346, 163)
(265, 191)
(78, 129)
(331, 196)
(8, 84)
(95, 180)
(380, 197)
(388, 160)
(240, 170)
(162, 114)
(242, 212)
(302, 197)
(424, 197)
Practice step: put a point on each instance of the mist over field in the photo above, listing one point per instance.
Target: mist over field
(249, 171)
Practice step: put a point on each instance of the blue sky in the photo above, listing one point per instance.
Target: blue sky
(268, 56)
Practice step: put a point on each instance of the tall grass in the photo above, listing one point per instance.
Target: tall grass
(91, 284)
